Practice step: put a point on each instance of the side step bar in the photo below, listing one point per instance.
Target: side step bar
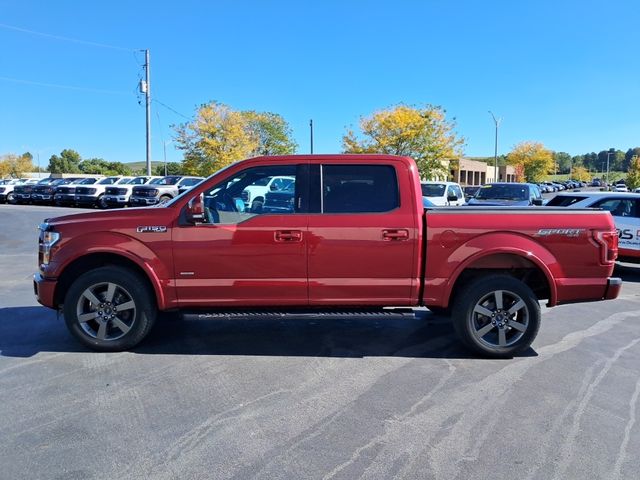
(396, 313)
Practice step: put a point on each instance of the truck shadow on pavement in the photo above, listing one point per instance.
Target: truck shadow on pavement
(26, 331)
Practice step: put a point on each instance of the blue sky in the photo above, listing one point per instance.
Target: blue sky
(565, 73)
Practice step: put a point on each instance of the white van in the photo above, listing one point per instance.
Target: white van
(443, 194)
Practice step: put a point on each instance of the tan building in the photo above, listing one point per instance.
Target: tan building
(474, 172)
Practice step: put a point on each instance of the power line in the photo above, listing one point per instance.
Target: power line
(66, 39)
(169, 108)
(67, 87)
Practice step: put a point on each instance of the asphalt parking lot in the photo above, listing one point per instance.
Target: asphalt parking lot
(334, 399)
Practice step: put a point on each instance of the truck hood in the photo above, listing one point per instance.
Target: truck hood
(107, 220)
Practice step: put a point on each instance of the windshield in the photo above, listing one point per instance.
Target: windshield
(168, 181)
(124, 181)
(108, 181)
(433, 189)
(138, 181)
(87, 181)
(156, 181)
(503, 192)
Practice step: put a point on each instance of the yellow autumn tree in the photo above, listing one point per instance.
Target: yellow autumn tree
(15, 165)
(216, 138)
(532, 159)
(219, 136)
(633, 175)
(422, 133)
(580, 173)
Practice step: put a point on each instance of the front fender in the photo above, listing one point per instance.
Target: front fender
(153, 262)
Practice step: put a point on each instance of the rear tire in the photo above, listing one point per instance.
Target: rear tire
(497, 316)
(109, 309)
(164, 199)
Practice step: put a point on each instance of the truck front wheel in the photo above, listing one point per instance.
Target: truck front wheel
(497, 316)
(109, 309)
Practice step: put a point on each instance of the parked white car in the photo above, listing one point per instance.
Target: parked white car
(118, 195)
(443, 194)
(6, 190)
(253, 196)
(93, 195)
(625, 209)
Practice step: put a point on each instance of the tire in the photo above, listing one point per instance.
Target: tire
(480, 320)
(101, 203)
(164, 198)
(256, 206)
(11, 199)
(96, 321)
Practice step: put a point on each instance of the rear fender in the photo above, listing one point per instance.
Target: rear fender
(492, 251)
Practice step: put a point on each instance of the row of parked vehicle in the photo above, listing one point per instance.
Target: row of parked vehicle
(101, 192)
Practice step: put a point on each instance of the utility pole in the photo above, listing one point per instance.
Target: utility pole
(495, 153)
(164, 151)
(145, 87)
(311, 131)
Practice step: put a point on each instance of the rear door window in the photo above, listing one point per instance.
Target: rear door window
(359, 189)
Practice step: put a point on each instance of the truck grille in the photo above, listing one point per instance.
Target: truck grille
(116, 191)
(66, 190)
(85, 191)
(145, 192)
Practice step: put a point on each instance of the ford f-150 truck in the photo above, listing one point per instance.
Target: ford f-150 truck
(355, 239)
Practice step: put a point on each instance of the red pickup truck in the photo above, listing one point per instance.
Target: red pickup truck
(349, 236)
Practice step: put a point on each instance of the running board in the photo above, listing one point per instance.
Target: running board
(396, 313)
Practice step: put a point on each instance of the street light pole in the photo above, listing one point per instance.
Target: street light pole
(495, 153)
(608, 153)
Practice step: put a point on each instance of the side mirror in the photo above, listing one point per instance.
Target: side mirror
(537, 202)
(195, 209)
(452, 198)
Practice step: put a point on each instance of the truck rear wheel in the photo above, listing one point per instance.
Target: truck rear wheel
(109, 309)
(497, 316)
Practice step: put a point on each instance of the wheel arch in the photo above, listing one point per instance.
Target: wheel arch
(95, 260)
(524, 266)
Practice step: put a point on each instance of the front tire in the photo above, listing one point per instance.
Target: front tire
(109, 309)
(102, 205)
(497, 316)
(11, 199)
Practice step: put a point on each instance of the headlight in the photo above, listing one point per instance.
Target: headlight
(48, 238)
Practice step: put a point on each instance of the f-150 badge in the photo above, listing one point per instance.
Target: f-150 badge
(152, 229)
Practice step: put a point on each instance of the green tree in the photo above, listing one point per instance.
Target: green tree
(633, 177)
(99, 166)
(173, 168)
(628, 156)
(563, 161)
(532, 159)
(419, 132)
(272, 132)
(67, 162)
